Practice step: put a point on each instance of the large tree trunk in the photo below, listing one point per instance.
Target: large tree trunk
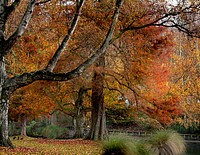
(4, 106)
(78, 125)
(78, 119)
(4, 94)
(24, 120)
(4, 137)
(98, 129)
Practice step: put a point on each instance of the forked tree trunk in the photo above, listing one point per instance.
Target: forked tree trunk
(4, 94)
(24, 120)
(98, 129)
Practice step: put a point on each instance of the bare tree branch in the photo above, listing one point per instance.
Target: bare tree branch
(28, 78)
(42, 2)
(21, 28)
(82, 67)
(52, 63)
(169, 19)
(128, 87)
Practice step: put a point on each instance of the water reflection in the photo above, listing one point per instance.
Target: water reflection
(193, 148)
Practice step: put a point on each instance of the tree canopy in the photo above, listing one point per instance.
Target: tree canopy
(58, 41)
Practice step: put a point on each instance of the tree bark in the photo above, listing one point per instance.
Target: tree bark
(52, 63)
(23, 120)
(98, 129)
(79, 113)
(53, 118)
(4, 106)
(78, 125)
(4, 138)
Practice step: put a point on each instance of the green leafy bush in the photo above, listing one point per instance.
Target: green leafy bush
(30, 128)
(14, 129)
(53, 131)
(34, 129)
(41, 129)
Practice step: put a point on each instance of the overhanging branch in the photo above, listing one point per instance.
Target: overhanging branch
(27, 78)
(169, 20)
(52, 63)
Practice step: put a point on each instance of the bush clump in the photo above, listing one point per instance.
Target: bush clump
(165, 142)
(35, 129)
(124, 145)
(53, 131)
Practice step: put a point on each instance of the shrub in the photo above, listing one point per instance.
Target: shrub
(14, 129)
(53, 131)
(167, 142)
(124, 145)
(30, 128)
(34, 129)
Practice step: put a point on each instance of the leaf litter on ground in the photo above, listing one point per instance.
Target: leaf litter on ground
(39, 146)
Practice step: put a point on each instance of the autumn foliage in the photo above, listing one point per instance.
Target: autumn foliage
(138, 63)
(31, 102)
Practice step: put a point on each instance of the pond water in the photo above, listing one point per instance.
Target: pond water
(193, 148)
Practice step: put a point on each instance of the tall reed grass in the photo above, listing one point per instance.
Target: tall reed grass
(163, 142)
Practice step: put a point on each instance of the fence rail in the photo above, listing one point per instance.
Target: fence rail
(188, 137)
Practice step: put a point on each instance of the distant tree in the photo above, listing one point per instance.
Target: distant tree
(185, 79)
(29, 103)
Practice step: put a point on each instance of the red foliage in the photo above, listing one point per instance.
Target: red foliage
(163, 110)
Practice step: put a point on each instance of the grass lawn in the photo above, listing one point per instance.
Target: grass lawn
(52, 147)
